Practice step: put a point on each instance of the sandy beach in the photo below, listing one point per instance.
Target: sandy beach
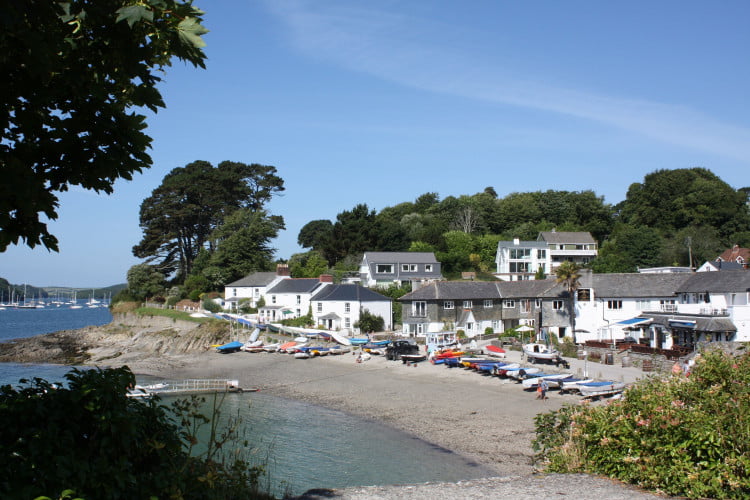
(484, 418)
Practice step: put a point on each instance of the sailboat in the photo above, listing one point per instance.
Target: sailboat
(75, 304)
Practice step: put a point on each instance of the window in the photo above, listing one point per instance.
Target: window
(525, 305)
(557, 305)
(419, 308)
(488, 303)
(470, 326)
(643, 304)
(428, 268)
(273, 299)
(409, 268)
(234, 292)
(510, 304)
(257, 292)
(541, 254)
(347, 307)
(299, 299)
(538, 303)
(520, 253)
(614, 304)
(384, 268)
(584, 294)
(518, 267)
(448, 304)
(468, 304)
(347, 322)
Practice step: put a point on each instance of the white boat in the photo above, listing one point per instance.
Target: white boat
(532, 382)
(570, 384)
(271, 347)
(540, 351)
(339, 349)
(604, 388)
(251, 346)
(522, 373)
(301, 355)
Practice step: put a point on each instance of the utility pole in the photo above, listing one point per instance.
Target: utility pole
(689, 243)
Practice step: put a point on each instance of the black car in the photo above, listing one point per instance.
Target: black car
(399, 347)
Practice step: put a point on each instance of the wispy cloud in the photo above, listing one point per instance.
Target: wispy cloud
(405, 50)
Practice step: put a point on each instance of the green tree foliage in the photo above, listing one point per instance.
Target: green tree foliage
(355, 231)
(630, 248)
(682, 436)
(144, 281)
(74, 76)
(92, 439)
(243, 243)
(315, 234)
(307, 265)
(395, 292)
(369, 322)
(182, 216)
(671, 200)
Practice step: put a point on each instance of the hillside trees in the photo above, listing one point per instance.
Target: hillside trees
(75, 75)
(184, 215)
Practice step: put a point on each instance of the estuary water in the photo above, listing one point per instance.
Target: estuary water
(303, 446)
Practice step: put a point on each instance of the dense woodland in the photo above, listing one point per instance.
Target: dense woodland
(207, 226)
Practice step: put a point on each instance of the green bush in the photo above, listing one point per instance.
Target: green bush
(489, 330)
(91, 441)
(684, 436)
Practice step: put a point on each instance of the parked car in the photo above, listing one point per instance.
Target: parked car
(399, 347)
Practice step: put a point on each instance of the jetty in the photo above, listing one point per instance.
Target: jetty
(188, 386)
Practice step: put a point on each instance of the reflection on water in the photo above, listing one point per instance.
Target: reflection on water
(306, 446)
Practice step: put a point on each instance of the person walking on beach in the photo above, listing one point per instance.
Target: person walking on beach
(543, 387)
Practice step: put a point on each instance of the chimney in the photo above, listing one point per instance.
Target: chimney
(282, 270)
(516, 241)
(326, 278)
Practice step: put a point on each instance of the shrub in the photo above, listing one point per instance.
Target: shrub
(684, 436)
(93, 440)
(489, 330)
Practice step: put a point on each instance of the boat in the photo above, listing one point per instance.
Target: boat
(318, 350)
(603, 388)
(570, 384)
(536, 352)
(501, 370)
(359, 341)
(522, 373)
(412, 358)
(230, 347)
(494, 351)
(271, 347)
(339, 349)
(536, 379)
(303, 354)
(286, 345)
(337, 337)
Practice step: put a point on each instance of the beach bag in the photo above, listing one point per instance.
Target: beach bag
(539, 388)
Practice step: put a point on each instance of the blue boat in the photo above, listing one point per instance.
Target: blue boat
(229, 347)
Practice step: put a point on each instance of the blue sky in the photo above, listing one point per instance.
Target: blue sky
(378, 102)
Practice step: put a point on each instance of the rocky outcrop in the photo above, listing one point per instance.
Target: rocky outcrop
(128, 334)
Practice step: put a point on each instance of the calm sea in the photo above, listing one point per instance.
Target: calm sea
(303, 446)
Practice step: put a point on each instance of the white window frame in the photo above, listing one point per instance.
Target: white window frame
(299, 299)
(468, 304)
(320, 307)
(419, 308)
(347, 307)
(273, 299)
(408, 268)
(558, 305)
(509, 303)
(448, 304)
(614, 305)
(428, 268)
(488, 303)
(525, 305)
(380, 268)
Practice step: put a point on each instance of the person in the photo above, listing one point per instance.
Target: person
(543, 386)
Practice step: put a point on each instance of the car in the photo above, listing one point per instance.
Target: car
(399, 347)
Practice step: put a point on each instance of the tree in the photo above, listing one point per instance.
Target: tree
(315, 234)
(74, 75)
(308, 265)
(568, 275)
(181, 216)
(369, 322)
(144, 281)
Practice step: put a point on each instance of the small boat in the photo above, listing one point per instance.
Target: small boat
(502, 369)
(412, 358)
(604, 388)
(536, 379)
(249, 345)
(302, 355)
(230, 347)
(522, 373)
(339, 349)
(449, 354)
(495, 351)
(271, 347)
(536, 352)
(359, 341)
(286, 345)
(489, 368)
(570, 384)
(340, 338)
(318, 351)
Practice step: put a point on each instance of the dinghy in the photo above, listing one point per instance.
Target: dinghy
(604, 388)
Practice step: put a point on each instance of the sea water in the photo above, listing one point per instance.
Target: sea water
(302, 446)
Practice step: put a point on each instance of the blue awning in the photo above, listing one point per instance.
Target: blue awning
(634, 321)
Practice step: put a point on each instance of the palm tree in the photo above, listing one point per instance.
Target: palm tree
(568, 274)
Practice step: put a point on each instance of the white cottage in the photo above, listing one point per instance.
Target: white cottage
(339, 307)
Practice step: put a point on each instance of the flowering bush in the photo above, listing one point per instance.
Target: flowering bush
(681, 435)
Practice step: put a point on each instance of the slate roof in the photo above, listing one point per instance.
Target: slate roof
(350, 293)
(725, 265)
(400, 257)
(254, 279)
(295, 285)
(636, 284)
(562, 237)
(455, 290)
(531, 289)
(521, 244)
(716, 282)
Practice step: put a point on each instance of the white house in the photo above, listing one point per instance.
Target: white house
(253, 286)
(339, 307)
(290, 298)
(520, 260)
(401, 268)
(579, 247)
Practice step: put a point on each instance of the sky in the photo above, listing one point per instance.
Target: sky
(357, 101)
